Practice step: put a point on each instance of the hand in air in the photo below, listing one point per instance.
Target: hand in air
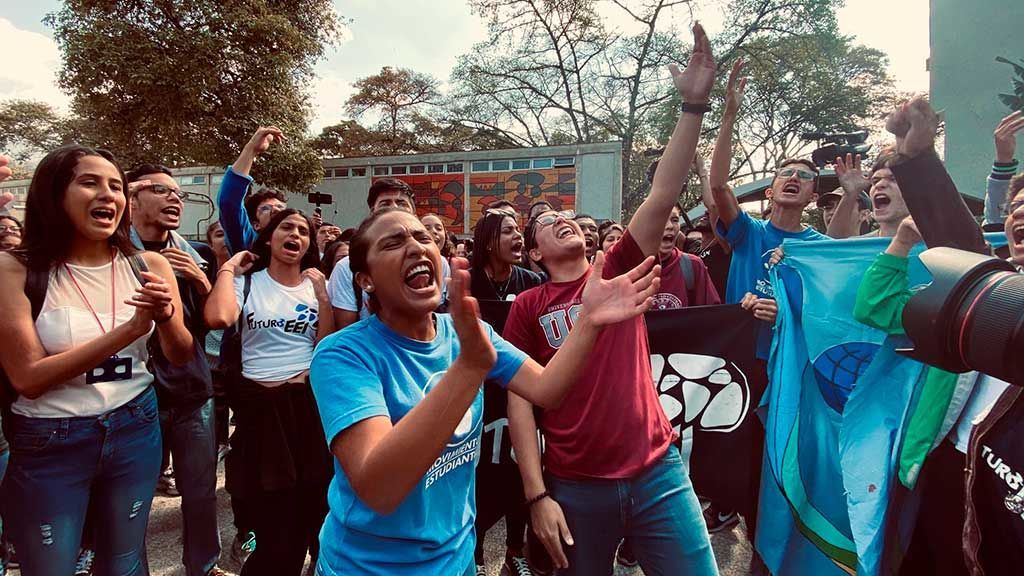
(851, 177)
(475, 347)
(1005, 136)
(914, 124)
(694, 84)
(735, 88)
(623, 297)
(263, 138)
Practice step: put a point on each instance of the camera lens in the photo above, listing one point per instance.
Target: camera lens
(971, 317)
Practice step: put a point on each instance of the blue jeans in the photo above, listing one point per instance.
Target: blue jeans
(190, 436)
(657, 510)
(59, 464)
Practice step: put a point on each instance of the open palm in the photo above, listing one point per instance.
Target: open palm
(694, 84)
(623, 297)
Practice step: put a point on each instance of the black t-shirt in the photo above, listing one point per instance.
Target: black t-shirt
(483, 288)
(717, 261)
(999, 494)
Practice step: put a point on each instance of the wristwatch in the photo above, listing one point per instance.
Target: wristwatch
(696, 108)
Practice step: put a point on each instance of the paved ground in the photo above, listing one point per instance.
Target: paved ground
(164, 541)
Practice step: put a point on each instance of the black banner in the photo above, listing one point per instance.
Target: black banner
(709, 383)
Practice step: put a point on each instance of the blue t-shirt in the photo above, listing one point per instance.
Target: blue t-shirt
(753, 242)
(369, 370)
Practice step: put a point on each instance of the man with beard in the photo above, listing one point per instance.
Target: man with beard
(186, 406)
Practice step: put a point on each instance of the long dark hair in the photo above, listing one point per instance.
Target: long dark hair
(48, 234)
(330, 251)
(261, 247)
(359, 252)
(486, 236)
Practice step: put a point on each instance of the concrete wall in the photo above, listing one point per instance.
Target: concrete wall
(966, 37)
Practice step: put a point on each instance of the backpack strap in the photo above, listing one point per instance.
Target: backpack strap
(686, 269)
(36, 283)
(246, 287)
(138, 265)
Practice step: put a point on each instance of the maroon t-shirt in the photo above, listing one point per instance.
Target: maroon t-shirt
(672, 293)
(610, 423)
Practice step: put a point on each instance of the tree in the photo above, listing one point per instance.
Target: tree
(1014, 101)
(188, 82)
(29, 129)
(399, 97)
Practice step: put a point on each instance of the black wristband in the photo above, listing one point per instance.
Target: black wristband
(695, 108)
(537, 498)
(169, 316)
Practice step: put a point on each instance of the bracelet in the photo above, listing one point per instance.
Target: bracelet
(696, 108)
(169, 316)
(529, 503)
(223, 270)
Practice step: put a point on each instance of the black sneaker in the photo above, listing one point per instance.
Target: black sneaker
(625, 556)
(83, 567)
(516, 566)
(718, 520)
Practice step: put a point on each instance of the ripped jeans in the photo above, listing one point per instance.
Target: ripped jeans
(59, 464)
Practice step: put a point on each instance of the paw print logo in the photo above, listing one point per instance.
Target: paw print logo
(305, 314)
(708, 392)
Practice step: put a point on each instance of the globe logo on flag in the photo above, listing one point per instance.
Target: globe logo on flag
(837, 369)
(709, 392)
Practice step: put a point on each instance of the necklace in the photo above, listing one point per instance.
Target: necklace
(113, 294)
(500, 289)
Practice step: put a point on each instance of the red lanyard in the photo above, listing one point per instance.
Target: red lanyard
(113, 294)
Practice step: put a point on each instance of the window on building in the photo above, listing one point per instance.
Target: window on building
(480, 166)
(328, 174)
(359, 172)
(570, 161)
(341, 172)
(543, 163)
(499, 165)
(191, 180)
(380, 170)
(435, 168)
(454, 167)
(520, 164)
(417, 169)
(399, 169)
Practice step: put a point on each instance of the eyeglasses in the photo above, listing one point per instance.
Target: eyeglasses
(166, 191)
(13, 229)
(801, 174)
(269, 208)
(549, 218)
(1011, 207)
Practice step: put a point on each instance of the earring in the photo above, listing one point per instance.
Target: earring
(369, 288)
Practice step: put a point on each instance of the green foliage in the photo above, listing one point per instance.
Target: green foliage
(30, 129)
(1014, 101)
(188, 82)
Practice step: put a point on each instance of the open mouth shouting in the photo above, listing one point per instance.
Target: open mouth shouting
(881, 201)
(517, 249)
(1017, 233)
(420, 277)
(172, 212)
(103, 216)
(292, 247)
(791, 189)
(565, 231)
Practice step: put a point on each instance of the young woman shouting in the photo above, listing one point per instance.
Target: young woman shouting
(401, 401)
(278, 458)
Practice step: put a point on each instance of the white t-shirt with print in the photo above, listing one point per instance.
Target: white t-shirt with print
(278, 327)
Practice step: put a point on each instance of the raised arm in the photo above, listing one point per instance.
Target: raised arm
(846, 220)
(721, 159)
(694, 85)
(1004, 167)
(231, 196)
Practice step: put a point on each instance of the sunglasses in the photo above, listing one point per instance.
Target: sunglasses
(12, 229)
(166, 191)
(499, 212)
(549, 218)
(1011, 207)
(801, 174)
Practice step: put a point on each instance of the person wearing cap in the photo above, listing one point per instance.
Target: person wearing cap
(829, 201)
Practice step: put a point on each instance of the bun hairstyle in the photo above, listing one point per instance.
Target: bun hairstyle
(261, 247)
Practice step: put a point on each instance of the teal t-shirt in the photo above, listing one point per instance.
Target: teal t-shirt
(753, 242)
(369, 370)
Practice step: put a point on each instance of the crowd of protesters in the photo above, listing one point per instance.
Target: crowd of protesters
(344, 376)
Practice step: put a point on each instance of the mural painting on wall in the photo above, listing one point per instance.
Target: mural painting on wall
(444, 194)
(556, 185)
(441, 194)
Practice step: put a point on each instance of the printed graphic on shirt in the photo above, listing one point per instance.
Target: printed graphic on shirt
(558, 322)
(763, 287)
(666, 301)
(715, 392)
(1013, 479)
(464, 446)
(305, 319)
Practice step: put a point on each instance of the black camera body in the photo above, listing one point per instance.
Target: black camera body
(836, 144)
(971, 317)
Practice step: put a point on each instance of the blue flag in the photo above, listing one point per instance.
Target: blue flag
(838, 401)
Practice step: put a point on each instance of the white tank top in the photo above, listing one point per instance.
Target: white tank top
(65, 322)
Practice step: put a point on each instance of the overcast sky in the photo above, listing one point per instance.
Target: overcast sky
(428, 36)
